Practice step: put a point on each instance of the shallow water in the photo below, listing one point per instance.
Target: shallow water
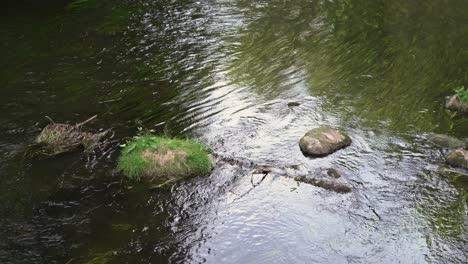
(223, 72)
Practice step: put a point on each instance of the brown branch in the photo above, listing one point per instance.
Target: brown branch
(86, 121)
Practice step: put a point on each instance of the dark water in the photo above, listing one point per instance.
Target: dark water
(224, 72)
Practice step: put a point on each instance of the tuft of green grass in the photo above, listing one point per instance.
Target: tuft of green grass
(462, 93)
(163, 159)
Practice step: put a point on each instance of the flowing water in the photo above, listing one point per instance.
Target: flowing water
(223, 72)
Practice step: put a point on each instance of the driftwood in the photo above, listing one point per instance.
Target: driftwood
(58, 138)
(329, 179)
(326, 184)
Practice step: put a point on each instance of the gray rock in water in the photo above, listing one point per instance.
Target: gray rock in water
(455, 104)
(458, 158)
(323, 141)
(445, 141)
(293, 104)
(331, 172)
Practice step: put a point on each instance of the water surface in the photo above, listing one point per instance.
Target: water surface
(223, 72)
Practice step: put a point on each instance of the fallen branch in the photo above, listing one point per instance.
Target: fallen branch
(58, 138)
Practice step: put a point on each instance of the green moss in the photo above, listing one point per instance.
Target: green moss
(162, 159)
(462, 93)
(48, 136)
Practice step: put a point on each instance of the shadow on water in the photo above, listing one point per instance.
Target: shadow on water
(224, 72)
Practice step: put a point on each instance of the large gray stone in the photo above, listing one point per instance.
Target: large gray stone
(458, 158)
(323, 141)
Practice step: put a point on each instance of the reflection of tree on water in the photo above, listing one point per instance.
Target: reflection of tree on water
(388, 59)
(269, 55)
(446, 215)
(170, 59)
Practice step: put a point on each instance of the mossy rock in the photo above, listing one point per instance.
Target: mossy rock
(163, 160)
(445, 141)
(323, 141)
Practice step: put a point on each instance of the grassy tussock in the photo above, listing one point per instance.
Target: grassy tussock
(163, 159)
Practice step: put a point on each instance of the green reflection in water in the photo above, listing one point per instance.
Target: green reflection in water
(446, 215)
(388, 62)
(385, 61)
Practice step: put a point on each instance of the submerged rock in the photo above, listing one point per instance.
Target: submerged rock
(331, 172)
(293, 104)
(163, 161)
(323, 141)
(445, 141)
(455, 104)
(458, 158)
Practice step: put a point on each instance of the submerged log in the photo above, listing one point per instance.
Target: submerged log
(329, 179)
(325, 184)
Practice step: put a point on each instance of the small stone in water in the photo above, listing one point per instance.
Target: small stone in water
(292, 104)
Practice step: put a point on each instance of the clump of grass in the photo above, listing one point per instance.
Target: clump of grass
(462, 93)
(163, 160)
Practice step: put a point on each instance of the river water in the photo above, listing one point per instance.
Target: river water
(223, 72)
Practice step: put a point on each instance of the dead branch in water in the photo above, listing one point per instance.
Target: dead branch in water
(86, 121)
(58, 138)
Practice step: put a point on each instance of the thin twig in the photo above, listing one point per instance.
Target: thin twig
(256, 184)
(454, 171)
(50, 119)
(86, 121)
(110, 101)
